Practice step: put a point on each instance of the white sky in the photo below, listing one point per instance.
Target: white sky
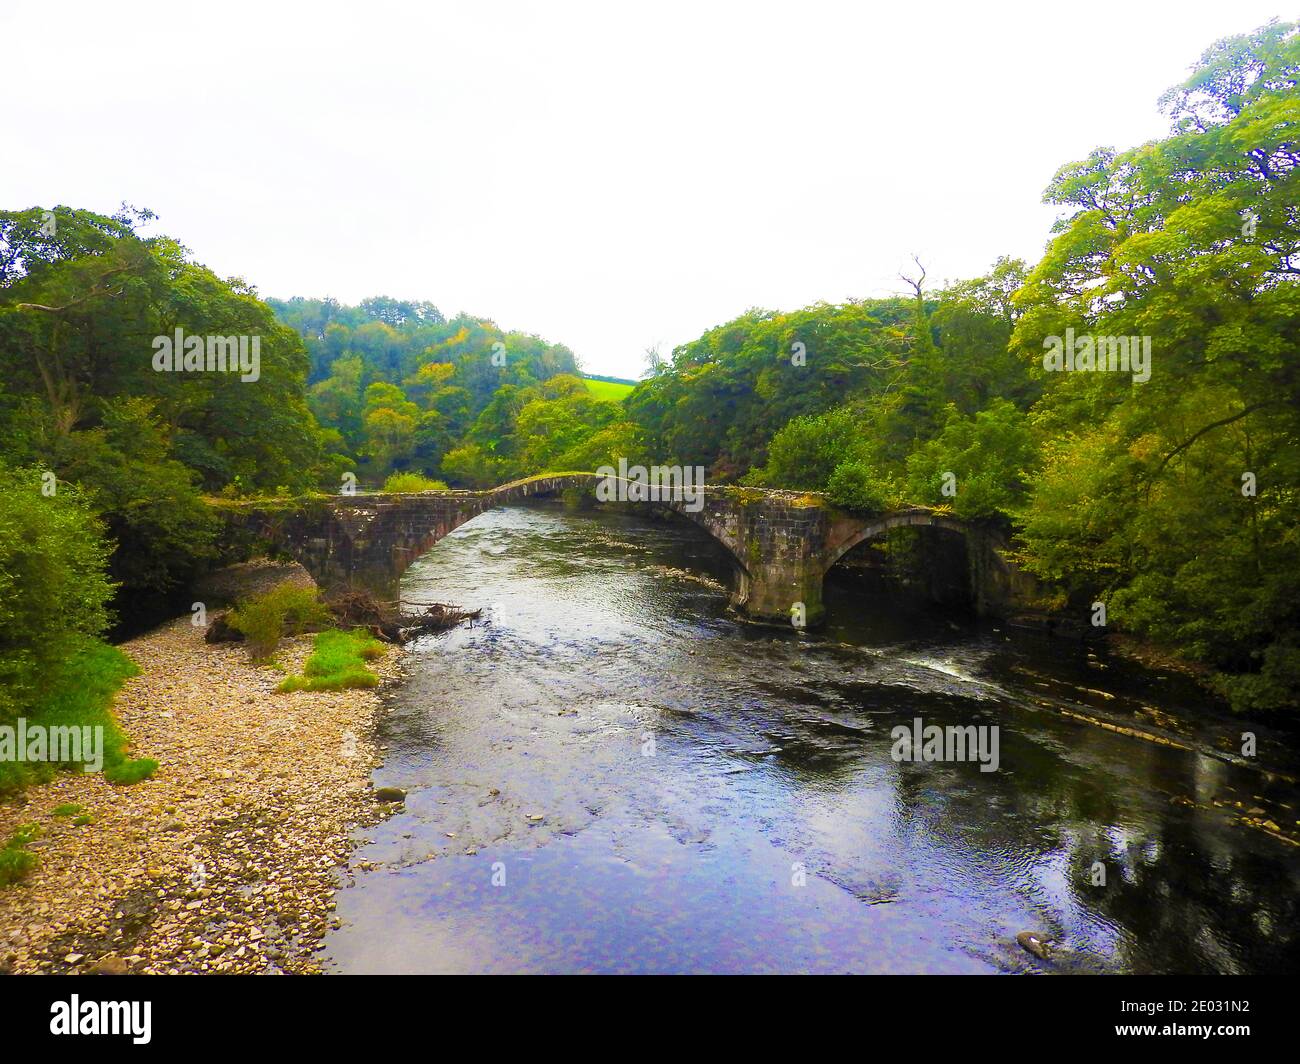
(604, 175)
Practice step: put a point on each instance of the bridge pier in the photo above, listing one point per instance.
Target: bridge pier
(778, 538)
(781, 593)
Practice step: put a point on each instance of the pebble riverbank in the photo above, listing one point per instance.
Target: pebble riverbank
(227, 859)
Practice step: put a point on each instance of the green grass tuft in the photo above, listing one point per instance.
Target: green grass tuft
(16, 860)
(67, 809)
(337, 663)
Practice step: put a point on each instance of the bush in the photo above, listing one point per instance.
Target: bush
(284, 610)
(991, 455)
(54, 590)
(160, 526)
(413, 482)
(473, 465)
(805, 452)
(337, 662)
(856, 486)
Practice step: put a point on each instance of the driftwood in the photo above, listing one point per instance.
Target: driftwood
(389, 621)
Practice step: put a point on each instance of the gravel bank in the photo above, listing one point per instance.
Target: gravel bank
(227, 859)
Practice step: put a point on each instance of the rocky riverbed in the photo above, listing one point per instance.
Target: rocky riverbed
(228, 858)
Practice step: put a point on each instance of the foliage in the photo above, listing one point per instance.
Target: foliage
(402, 388)
(857, 485)
(990, 456)
(805, 452)
(729, 392)
(54, 588)
(412, 482)
(287, 609)
(80, 312)
(1176, 499)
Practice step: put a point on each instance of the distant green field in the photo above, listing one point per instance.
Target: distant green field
(609, 389)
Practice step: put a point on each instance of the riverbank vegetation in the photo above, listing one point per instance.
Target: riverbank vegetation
(55, 669)
(287, 610)
(16, 860)
(1168, 492)
(338, 662)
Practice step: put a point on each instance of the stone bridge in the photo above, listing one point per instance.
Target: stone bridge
(782, 542)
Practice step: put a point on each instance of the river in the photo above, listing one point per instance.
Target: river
(610, 772)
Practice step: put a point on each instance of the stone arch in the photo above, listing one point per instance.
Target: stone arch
(863, 530)
(993, 581)
(470, 504)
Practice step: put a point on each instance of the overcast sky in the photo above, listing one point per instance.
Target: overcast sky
(606, 175)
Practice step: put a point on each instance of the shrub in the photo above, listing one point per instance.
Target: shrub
(989, 454)
(54, 590)
(284, 610)
(856, 486)
(806, 450)
(413, 482)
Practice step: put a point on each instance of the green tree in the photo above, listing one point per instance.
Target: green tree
(1175, 499)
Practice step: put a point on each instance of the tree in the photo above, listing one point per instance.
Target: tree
(1175, 498)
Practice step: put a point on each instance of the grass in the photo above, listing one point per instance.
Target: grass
(337, 662)
(16, 860)
(79, 693)
(612, 390)
(67, 809)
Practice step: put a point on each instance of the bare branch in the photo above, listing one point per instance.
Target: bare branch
(915, 285)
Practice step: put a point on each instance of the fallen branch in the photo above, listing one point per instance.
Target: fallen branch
(388, 621)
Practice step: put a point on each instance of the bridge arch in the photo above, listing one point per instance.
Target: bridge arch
(872, 527)
(992, 581)
(518, 491)
(368, 540)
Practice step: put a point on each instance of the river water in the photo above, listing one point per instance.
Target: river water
(609, 772)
